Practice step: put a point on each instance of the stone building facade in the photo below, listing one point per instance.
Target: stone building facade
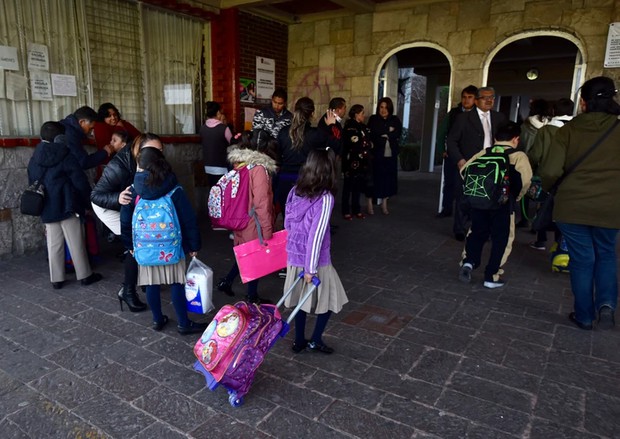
(343, 56)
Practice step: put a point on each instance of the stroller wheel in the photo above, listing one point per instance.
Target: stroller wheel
(233, 400)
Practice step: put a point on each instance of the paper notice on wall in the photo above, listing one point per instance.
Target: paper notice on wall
(64, 85)
(8, 58)
(16, 87)
(248, 117)
(2, 93)
(612, 53)
(40, 86)
(38, 58)
(265, 77)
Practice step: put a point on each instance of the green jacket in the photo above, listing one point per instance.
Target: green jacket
(589, 195)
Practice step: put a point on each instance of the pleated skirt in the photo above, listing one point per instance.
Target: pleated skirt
(329, 296)
(162, 274)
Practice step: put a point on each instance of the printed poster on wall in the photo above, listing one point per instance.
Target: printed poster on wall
(248, 113)
(40, 86)
(64, 85)
(612, 52)
(38, 58)
(8, 58)
(16, 87)
(265, 77)
(247, 90)
(2, 94)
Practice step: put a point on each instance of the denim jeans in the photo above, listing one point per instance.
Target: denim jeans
(593, 272)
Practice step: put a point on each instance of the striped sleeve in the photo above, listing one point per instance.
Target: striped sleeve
(318, 228)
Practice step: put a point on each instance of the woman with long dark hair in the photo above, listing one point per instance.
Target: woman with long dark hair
(586, 208)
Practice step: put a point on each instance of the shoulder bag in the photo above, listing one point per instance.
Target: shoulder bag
(33, 198)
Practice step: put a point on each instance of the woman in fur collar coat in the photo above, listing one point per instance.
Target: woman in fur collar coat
(260, 167)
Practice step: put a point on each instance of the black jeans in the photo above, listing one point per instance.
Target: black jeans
(451, 179)
(485, 223)
(352, 188)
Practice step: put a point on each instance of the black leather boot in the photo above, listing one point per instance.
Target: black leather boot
(131, 298)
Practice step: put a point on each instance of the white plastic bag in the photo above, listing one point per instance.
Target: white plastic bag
(199, 287)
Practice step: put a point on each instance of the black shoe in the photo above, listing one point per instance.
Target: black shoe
(459, 236)
(224, 286)
(57, 285)
(297, 348)
(282, 273)
(465, 272)
(580, 325)
(193, 328)
(94, 277)
(158, 326)
(606, 318)
(258, 300)
(130, 297)
(443, 214)
(319, 347)
(522, 224)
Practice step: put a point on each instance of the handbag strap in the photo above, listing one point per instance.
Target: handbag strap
(577, 162)
(252, 213)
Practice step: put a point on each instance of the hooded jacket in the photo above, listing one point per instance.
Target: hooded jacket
(75, 137)
(190, 233)
(266, 119)
(307, 224)
(260, 167)
(66, 187)
(540, 149)
(589, 195)
(117, 175)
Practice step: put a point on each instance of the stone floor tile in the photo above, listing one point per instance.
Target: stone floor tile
(403, 386)
(602, 414)
(561, 404)
(121, 381)
(7, 383)
(456, 344)
(17, 399)
(40, 341)
(544, 429)
(159, 430)
(435, 366)
(23, 365)
(500, 374)
(360, 335)
(9, 430)
(65, 387)
(492, 392)
(470, 315)
(298, 399)
(358, 422)
(439, 310)
(222, 426)
(287, 368)
(485, 412)
(527, 357)
(54, 421)
(518, 333)
(113, 415)
(79, 359)
(606, 348)
(130, 355)
(177, 350)
(349, 391)
(173, 408)
(284, 423)
(522, 322)
(118, 327)
(477, 431)
(255, 409)
(572, 339)
(399, 356)
(489, 347)
(336, 363)
(182, 379)
(86, 335)
(421, 417)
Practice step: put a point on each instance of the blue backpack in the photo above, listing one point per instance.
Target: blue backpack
(156, 231)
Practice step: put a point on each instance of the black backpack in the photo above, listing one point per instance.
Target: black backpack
(486, 180)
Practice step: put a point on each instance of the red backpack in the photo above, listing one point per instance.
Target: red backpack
(229, 200)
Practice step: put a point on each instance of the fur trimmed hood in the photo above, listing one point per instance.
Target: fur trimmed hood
(251, 157)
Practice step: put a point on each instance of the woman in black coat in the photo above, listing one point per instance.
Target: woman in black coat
(385, 130)
(356, 164)
(66, 200)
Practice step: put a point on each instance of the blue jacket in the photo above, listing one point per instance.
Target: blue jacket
(66, 187)
(75, 137)
(185, 212)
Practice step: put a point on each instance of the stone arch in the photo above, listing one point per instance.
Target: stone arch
(580, 64)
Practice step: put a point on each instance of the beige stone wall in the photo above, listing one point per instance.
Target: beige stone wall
(340, 57)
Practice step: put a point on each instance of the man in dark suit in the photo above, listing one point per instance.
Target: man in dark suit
(471, 132)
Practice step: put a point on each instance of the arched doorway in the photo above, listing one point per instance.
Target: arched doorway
(417, 78)
(545, 65)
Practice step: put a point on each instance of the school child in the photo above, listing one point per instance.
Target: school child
(155, 180)
(496, 222)
(260, 168)
(308, 210)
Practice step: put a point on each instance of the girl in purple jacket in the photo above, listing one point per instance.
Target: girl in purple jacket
(308, 210)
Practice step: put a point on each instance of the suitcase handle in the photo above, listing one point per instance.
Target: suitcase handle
(315, 283)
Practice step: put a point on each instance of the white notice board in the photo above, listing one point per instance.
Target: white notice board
(612, 52)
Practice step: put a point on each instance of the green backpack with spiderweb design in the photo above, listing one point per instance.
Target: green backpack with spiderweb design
(486, 180)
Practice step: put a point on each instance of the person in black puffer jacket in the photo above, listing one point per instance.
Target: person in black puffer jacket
(66, 200)
(109, 194)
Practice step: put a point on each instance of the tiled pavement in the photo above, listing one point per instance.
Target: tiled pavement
(418, 354)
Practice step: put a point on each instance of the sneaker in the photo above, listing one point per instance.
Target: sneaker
(465, 272)
(538, 245)
(494, 283)
(297, 348)
(320, 347)
(585, 326)
(606, 318)
(94, 277)
(282, 273)
(224, 286)
(192, 328)
(218, 229)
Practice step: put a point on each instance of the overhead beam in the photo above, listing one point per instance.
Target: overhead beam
(356, 6)
(272, 13)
